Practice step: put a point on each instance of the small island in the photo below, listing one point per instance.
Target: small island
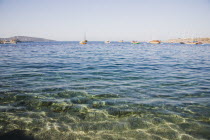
(17, 39)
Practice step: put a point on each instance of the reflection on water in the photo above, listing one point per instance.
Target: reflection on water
(119, 91)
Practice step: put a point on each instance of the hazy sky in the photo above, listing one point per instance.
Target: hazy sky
(141, 20)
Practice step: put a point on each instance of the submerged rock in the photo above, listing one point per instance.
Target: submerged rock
(139, 123)
(107, 96)
(117, 111)
(80, 100)
(69, 94)
(60, 106)
(96, 116)
(47, 103)
(97, 104)
(78, 108)
(16, 135)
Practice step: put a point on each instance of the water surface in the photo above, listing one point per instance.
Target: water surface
(119, 91)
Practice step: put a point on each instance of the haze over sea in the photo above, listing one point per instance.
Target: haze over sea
(116, 91)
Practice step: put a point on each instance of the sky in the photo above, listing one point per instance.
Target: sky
(142, 20)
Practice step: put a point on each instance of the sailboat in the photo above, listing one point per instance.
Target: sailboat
(84, 41)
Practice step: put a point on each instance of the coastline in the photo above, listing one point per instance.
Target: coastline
(203, 40)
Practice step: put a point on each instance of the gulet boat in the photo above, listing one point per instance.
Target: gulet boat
(155, 42)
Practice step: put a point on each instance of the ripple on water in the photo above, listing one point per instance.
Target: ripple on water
(113, 91)
(49, 116)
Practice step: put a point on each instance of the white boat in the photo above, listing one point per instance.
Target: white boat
(107, 41)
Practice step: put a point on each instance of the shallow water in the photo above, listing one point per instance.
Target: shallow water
(119, 91)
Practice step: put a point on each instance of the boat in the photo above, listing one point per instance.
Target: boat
(135, 42)
(84, 41)
(121, 41)
(8, 42)
(155, 42)
(107, 41)
(194, 43)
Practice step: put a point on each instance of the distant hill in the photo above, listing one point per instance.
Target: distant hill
(27, 39)
(203, 40)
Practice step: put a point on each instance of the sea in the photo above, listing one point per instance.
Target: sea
(98, 91)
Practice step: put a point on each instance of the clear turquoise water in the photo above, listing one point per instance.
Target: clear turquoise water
(119, 91)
